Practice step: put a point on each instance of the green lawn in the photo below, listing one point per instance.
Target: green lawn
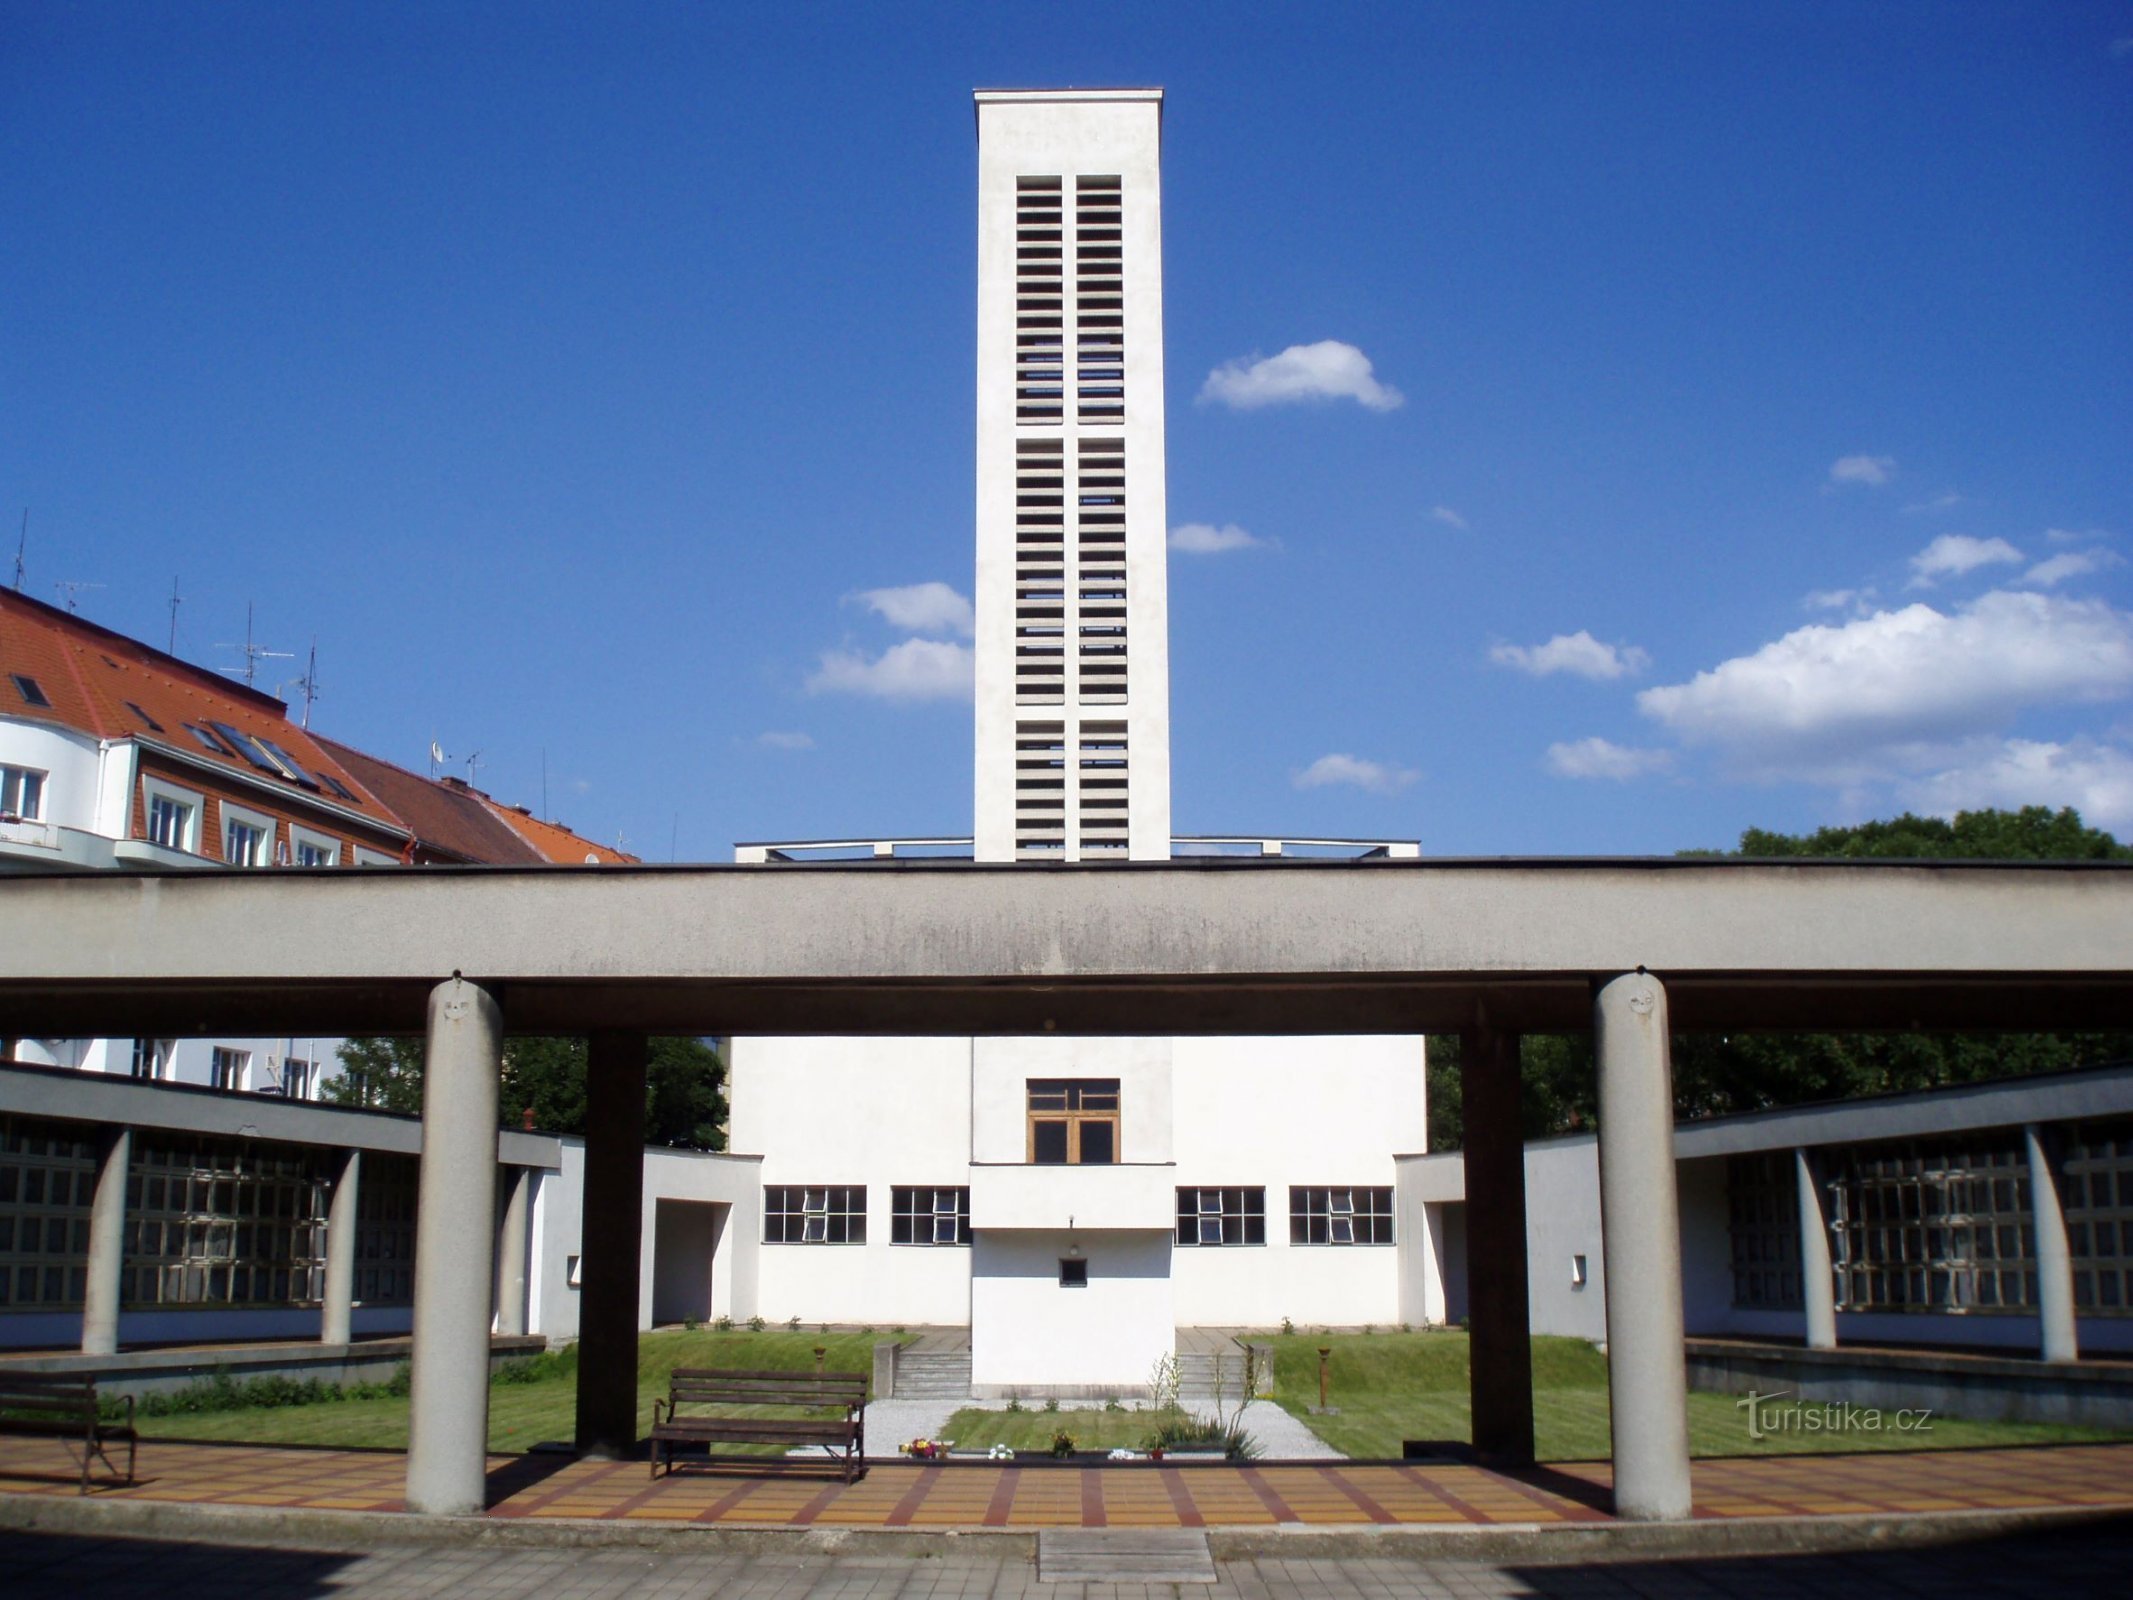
(522, 1414)
(1389, 1387)
(1031, 1432)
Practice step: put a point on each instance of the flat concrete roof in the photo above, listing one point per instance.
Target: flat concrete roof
(66, 1095)
(1205, 946)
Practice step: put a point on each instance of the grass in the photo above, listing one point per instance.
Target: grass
(521, 1414)
(1030, 1432)
(1389, 1387)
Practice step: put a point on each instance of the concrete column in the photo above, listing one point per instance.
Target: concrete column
(455, 1237)
(1818, 1292)
(2055, 1266)
(107, 1244)
(1640, 1235)
(336, 1325)
(1500, 1338)
(609, 1245)
(512, 1250)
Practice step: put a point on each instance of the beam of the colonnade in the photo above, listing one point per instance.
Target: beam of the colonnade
(610, 1245)
(1500, 1335)
(455, 1237)
(1640, 1241)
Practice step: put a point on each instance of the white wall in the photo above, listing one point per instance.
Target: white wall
(1002, 1067)
(1028, 1332)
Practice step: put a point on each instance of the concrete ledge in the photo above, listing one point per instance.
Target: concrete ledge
(363, 1531)
(146, 1372)
(1987, 1388)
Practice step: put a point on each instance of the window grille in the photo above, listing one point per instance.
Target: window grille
(1221, 1216)
(2096, 1188)
(47, 1180)
(831, 1214)
(1940, 1226)
(1763, 1221)
(1340, 1216)
(1040, 789)
(224, 1222)
(929, 1216)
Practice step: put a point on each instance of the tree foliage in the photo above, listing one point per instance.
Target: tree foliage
(1717, 1074)
(684, 1094)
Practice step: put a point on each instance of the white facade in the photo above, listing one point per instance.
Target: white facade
(1073, 1265)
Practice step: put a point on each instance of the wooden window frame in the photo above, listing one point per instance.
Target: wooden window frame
(1073, 1092)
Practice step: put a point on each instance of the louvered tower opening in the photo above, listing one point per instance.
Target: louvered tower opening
(1100, 570)
(1040, 301)
(1040, 790)
(1099, 301)
(1040, 570)
(1103, 778)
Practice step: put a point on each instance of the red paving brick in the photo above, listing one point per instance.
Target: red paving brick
(988, 1495)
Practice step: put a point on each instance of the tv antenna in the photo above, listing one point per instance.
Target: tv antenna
(307, 685)
(69, 591)
(437, 757)
(176, 600)
(22, 549)
(473, 766)
(253, 653)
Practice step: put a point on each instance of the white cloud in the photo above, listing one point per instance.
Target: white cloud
(1601, 758)
(1579, 654)
(785, 741)
(1327, 370)
(1948, 500)
(921, 608)
(2071, 564)
(1953, 554)
(1856, 600)
(2095, 779)
(1872, 471)
(1205, 539)
(1375, 776)
(1449, 517)
(2067, 536)
(917, 669)
(1835, 702)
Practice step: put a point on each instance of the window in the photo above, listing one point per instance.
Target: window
(152, 1058)
(229, 1067)
(929, 1216)
(314, 849)
(144, 718)
(1221, 1216)
(1073, 1121)
(206, 740)
(30, 689)
(336, 786)
(794, 1214)
(21, 794)
(297, 1076)
(1340, 1216)
(247, 837)
(173, 816)
(1577, 1272)
(1073, 1272)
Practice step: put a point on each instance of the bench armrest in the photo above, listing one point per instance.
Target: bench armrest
(656, 1404)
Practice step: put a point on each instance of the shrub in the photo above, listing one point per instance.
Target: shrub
(1062, 1444)
(724, 1324)
(755, 1324)
(1051, 1402)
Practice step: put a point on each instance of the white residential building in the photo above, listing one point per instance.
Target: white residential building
(1074, 1201)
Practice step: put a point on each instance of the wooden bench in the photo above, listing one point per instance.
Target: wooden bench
(844, 1393)
(57, 1406)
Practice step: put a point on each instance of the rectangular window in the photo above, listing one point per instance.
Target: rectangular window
(314, 849)
(797, 1214)
(173, 817)
(1073, 1121)
(929, 1216)
(1340, 1216)
(152, 1058)
(245, 838)
(296, 1078)
(21, 794)
(1073, 1272)
(30, 689)
(1221, 1216)
(229, 1067)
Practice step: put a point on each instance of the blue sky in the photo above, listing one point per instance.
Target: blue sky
(1762, 451)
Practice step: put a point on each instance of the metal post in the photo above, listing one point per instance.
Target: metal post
(107, 1244)
(455, 1237)
(612, 1237)
(1640, 1235)
(336, 1323)
(1499, 1325)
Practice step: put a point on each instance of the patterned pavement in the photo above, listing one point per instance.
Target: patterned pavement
(982, 1495)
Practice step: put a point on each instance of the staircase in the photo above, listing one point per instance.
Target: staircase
(1196, 1378)
(933, 1375)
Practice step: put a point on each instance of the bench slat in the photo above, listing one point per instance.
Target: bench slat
(71, 1405)
(741, 1428)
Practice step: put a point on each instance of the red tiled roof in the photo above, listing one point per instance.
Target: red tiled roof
(446, 821)
(552, 840)
(103, 683)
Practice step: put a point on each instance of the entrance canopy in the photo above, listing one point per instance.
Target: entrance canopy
(1220, 946)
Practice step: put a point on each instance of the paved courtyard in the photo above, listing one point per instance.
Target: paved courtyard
(2057, 1566)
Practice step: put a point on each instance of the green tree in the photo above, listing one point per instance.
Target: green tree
(383, 1074)
(684, 1096)
(1715, 1074)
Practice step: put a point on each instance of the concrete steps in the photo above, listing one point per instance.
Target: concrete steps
(926, 1375)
